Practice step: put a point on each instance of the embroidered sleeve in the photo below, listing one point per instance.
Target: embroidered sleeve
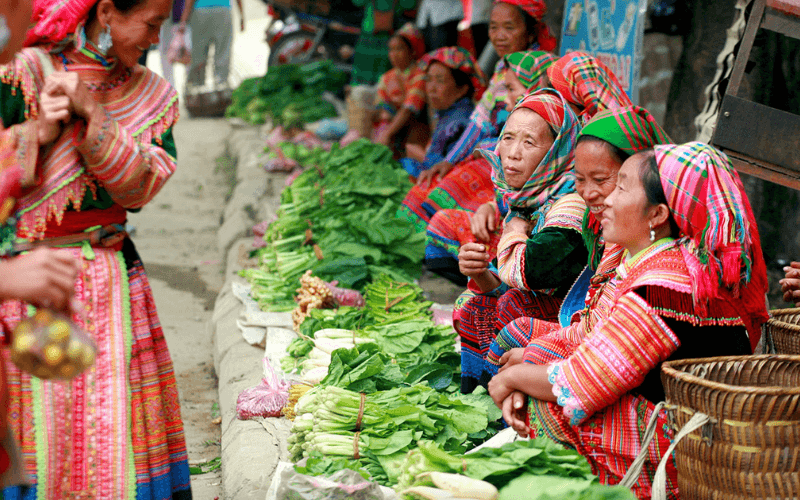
(613, 359)
(511, 260)
(132, 172)
(383, 101)
(415, 95)
(566, 213)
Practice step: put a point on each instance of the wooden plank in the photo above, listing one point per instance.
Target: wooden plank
(781, 23)
(745, 47)
(766, 171)
(760, 132)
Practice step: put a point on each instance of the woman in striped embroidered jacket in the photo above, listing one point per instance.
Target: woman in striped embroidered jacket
(692, 283)
(93, 130)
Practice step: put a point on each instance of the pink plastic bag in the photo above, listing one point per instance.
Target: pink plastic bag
(180, 47)
(266, 399)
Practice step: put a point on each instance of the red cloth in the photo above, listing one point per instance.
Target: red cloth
(54, 20)
(77, 222)
(537, 10)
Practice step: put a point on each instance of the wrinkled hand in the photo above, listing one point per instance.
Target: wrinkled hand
(68, 84)
(517, 225)
(512, 357)
(43, 277)
(437, 172)
(515, 413)
(473, 260)
(483, 222)
(790, 285)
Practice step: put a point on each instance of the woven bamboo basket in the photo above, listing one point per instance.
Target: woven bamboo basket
(750, 446)
(783, 328)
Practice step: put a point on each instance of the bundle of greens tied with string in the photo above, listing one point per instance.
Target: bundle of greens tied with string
(338, 220)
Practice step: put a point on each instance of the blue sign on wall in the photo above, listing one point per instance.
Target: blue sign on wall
(610, 30)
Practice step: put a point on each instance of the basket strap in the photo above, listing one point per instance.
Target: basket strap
(659, 491)
(635, 470)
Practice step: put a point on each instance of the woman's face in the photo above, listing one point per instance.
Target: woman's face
(595, 174)
(507, 30)
(516, 90)
(134, 31)
(626, 216)
(441, 87)
(399, 55)
(17, 17)
(525, 142)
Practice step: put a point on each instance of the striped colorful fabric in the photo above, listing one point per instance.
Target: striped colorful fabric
(466, 187)
(597, 304)
(114, 432)
(553, 176)
(721, 244)
(480, 321)
(140, 109)
(587, 83)
(529, 66)
(460, 59)
(394, 91)
(447, 232)
(566, 213)
(630, 128)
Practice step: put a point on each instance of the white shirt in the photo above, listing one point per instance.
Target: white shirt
(438, 12)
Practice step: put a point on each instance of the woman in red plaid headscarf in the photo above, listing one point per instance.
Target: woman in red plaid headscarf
(692, 284)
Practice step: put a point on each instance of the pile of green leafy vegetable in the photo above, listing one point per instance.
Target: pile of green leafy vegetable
(537, 469)
(378, 429)
(292, 86)
(339, 221)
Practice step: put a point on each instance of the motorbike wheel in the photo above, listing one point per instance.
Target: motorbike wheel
(295, 48)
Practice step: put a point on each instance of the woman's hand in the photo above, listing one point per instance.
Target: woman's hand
(512, 357)
(416, 152)
(515, 413)
(483, 223)
(54, 112)
(790, 285)
(473, 260)
(43, 277)
(517, 225)
(384, 137)
(500, 387)
(437, 171)
(64, 83)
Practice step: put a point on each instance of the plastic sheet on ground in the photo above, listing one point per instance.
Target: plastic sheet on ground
(286, 483)
(254, 323)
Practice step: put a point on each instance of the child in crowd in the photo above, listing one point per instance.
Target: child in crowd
(400, 101)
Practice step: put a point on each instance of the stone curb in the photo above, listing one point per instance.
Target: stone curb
(251, 449)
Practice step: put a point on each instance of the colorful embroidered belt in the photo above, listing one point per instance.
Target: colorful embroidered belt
(105, 236)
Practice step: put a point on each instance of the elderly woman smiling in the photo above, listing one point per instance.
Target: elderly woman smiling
(692, 284)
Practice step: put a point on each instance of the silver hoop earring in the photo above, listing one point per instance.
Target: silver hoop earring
(652, 233)
(104, 42)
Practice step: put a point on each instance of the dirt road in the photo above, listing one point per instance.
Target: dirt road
(176, 237)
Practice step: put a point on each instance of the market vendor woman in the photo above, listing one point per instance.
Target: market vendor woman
(691, 284)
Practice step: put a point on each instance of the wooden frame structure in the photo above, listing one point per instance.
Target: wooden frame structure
(760, 140)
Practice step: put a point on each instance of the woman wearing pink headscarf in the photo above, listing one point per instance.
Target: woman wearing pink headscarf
(93, 129)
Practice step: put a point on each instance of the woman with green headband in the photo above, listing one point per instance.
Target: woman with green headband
(603, 145)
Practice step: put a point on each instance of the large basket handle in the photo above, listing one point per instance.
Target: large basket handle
(659, 491)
